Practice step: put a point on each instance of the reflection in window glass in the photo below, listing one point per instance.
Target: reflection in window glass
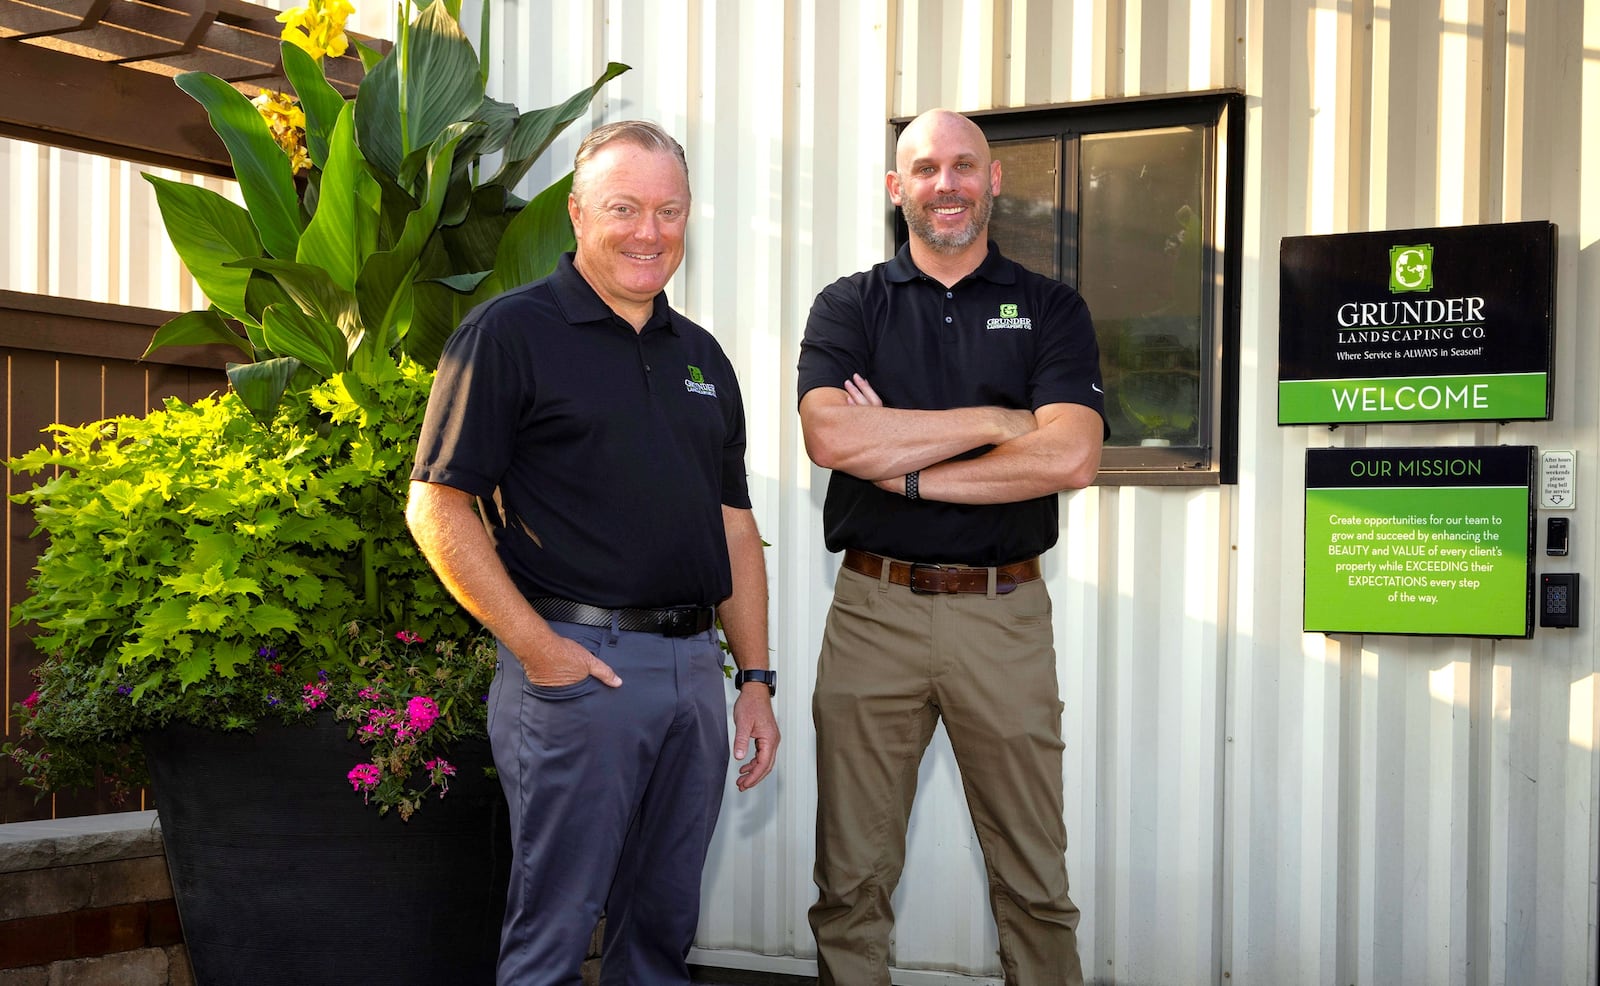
(1141, 231)
(1024, 220)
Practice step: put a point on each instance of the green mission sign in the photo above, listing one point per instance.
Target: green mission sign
(1431, 541)
(1442, 324)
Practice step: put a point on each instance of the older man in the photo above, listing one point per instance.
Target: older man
(602, 436)
(953, 393)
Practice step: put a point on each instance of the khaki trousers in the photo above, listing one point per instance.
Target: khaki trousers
(892, 664)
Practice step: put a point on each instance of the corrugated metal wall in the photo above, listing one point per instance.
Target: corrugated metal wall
(1246, 803)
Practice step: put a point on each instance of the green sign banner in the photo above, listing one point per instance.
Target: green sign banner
(1435, 540)
(1442, 324)
(1479, 397)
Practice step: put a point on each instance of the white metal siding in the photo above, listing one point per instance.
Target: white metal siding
(1247, 803)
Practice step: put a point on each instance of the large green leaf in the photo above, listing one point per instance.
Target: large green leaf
(536, 238)
(458, 201)
(395, 205)
(259, 164)
(199, 328)
(263, 291)
(397, 113)
(342, 234)
(384, 286)
(321, 101)
(462, 283)
(439, 309)
(267, 619)
(501, 119)
(261, 385)
(291, 332)
(471, 244)
(312, 288)
(537, 128)
(208, 231)
(467, 152)
(370, 57)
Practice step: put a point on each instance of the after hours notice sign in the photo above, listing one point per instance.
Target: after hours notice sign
(1439, 324)
(1433, 541)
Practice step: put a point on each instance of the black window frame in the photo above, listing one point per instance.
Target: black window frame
(1221, 114)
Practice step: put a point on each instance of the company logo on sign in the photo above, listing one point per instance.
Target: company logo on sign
(1411, 268)
(1009, 320)
(696, 383)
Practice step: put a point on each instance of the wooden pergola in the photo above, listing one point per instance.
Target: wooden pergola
(95, 75)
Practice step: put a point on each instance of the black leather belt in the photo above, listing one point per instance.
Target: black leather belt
(672, 621)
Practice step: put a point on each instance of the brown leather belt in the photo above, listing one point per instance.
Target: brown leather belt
(924, 578)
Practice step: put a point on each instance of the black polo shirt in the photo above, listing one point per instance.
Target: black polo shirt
(602, 455)
(1004, 336)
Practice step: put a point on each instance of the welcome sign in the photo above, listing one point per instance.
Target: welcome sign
(1432, 541)
(1442, 324)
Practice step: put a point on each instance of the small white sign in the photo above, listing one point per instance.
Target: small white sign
(1558, 480)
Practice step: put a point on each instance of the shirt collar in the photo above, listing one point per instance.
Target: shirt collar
(580, 304)
(995, 268)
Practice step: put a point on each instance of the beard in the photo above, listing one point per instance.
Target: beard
(919, 219)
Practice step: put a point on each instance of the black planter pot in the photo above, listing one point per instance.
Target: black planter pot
(282, 875)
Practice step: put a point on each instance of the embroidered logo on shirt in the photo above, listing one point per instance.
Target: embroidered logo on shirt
(1008, 320)
(696, 383)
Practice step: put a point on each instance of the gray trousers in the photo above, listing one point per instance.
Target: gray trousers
(613, 793)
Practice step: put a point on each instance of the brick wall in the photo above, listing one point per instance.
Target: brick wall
(87, 902)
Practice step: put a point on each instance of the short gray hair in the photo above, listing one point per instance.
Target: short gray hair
(639, 133)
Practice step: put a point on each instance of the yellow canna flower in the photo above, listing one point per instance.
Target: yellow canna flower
(287, 121)
(294, 17)
(318, 27)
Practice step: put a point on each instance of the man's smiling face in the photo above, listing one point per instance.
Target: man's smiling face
(945, 182)
(630, 225)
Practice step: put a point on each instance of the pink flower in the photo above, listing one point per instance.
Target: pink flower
(314, 696)
(31, 703)
(364, 776)
(407, 637)
(440, 771)
(370, 694)
(421, 713)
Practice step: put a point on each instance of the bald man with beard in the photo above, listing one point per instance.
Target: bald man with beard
(953, 393)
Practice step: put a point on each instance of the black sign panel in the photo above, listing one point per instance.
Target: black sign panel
(1439, 324)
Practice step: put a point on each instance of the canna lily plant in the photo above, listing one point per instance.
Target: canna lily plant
(393, 232)
(245, 557)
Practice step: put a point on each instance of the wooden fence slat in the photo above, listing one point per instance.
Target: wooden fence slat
(31, 396)
(54, 372)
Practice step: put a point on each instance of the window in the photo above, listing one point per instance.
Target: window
(1137, 203)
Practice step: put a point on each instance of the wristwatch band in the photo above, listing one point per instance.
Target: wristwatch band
(766, 676)
(912, 479)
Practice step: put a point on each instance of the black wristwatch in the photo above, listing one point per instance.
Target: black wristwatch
(766, 676)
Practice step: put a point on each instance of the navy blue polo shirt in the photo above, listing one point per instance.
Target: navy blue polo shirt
(1002, 337)
(603, 456)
